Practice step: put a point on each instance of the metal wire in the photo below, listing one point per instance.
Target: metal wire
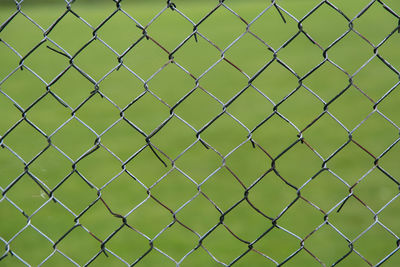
(169, 161)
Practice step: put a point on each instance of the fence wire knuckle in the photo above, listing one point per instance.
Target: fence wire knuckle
(293, 127)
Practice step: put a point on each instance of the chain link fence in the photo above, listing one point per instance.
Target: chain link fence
(184, 133)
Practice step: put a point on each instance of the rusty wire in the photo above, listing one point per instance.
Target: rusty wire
(169, 161)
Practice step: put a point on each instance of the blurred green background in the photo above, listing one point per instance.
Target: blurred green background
(222, 173)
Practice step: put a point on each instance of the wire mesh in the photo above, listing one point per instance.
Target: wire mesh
(219, 132)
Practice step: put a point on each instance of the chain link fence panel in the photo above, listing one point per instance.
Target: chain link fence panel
(200, 133)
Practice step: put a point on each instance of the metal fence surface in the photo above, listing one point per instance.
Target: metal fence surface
(263, 210)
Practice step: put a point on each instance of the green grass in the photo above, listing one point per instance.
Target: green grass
(235, 164)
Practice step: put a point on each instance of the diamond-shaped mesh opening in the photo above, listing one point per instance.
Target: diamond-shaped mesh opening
(146, 167)
(318, 25)
(171, 90)
(167, 23)
(27, 194)
(271, 28)
(378, 138)
(93, 66)
(224, 134)
(298, 164)
(257, 105)
(367, 79)
(173, 138)
(122, 131)
(275, 135)
(48, 104)
(115, 88)
(383, 240)
(222, 189)
(337, 247)
(352, 219)
(95, 169)
(75, 241)
(51, 167)
(243, 215)
(98, 106)
(72, 25)
(75, 193)
(222, 27)
(376, 189)
(147, 113)
(343, 107)
(249, 63)
(42, 57)
(164, 190)
(223, 81)
(248, 163)
(31, 246)
(198, 108)
(160, 218)
(323, 141)
(176, 241)
(301, 218)
(16, 88)
(350, 46)
(72, 87)
(327, 81)
(215, 242)
(8, 228)
(306, 109)
(74, 139)
(199, 162)
(101, 228)
(10, 60)
(32, 35)
(369, 18)
(145, 58)
(278, 194)
(123, 194)
(53, 220)
(277, 244)
(331, 191)
(128, 244)
(36, 13)
(188, 55)
(304, 62)
(351, 163)
(199, 214)
(276, 81)
(117, 40)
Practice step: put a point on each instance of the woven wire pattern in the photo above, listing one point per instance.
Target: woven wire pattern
(290, 135)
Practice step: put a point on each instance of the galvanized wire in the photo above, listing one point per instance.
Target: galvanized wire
(169, 161)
